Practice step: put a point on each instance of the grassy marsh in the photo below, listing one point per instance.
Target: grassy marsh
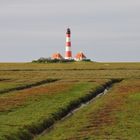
(28, 111)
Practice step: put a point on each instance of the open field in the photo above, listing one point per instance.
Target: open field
(35, 96)
(114, 116)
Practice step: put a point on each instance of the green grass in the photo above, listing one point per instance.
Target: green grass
(33, 114)
(30, 110)
(72, 66)
(6, 87)
(114, 116)
(129, 118)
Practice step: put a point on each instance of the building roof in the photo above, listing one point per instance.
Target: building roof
(80, 56)
(57, 56)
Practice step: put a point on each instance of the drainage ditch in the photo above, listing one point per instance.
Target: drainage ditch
(44, 127)
(84, 102)
(29, 85)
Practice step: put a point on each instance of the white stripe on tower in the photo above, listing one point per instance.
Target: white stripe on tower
(67, 39)
(68, 49)
(68, 53)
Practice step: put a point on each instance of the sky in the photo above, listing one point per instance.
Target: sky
(105, 30)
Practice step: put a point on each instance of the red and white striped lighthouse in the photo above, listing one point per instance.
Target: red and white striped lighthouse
(68, 52)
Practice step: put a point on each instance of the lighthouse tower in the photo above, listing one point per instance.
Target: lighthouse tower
(68, 53)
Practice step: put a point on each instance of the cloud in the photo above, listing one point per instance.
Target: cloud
(31, 25)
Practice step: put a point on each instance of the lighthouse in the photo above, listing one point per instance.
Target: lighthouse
(68, 52)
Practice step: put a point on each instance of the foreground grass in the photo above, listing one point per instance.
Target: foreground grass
(38, 110)
(114, 116)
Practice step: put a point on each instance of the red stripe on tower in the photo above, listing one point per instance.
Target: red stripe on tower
(68, 44)
(68, 53)
(67, 35)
